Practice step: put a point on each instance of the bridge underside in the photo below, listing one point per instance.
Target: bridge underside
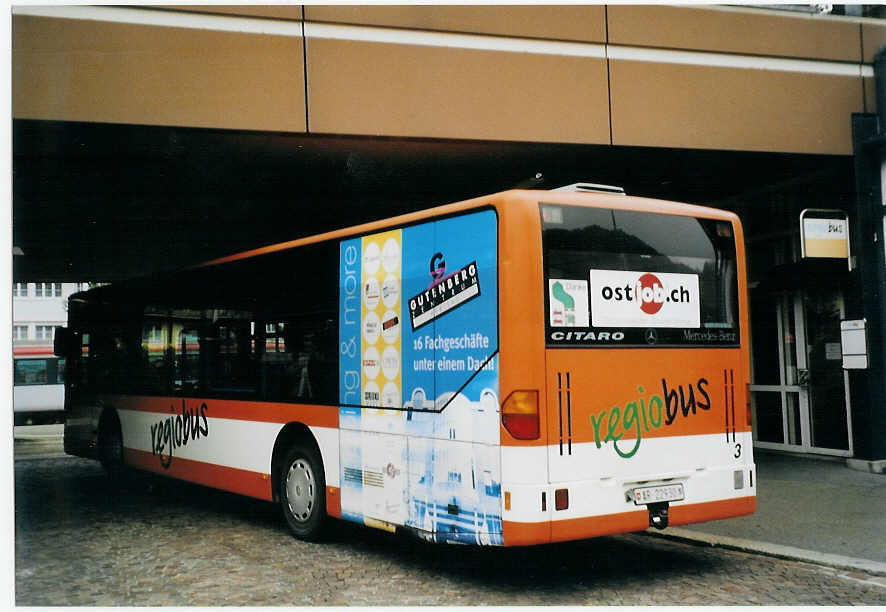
(101, 202)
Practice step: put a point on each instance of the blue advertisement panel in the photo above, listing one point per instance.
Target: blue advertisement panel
(349, 332)
(418, 377)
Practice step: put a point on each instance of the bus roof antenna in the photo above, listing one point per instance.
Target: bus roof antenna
(533, 182)
(591, 187)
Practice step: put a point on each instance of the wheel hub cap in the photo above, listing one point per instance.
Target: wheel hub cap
(300, 490)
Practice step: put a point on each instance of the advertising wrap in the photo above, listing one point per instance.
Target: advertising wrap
(418, 378)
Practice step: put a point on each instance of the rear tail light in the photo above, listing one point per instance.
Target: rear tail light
(561, 499)
(519, 415)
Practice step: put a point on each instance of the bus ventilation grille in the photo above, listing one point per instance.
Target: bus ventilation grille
(373, 479)
(564, 405)
(365, 477)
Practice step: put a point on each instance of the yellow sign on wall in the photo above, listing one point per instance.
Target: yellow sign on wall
(824, 233)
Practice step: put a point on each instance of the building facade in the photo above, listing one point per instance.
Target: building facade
(750, 109)
(37, 309)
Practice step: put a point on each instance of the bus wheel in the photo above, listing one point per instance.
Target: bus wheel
(110, 446)
(303, 493)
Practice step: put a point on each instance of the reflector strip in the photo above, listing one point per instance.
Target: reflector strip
(170, 19)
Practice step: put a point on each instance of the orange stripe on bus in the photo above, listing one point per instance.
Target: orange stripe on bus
(265, 412)
(244, 482)
(593, 526)
(522, 534)
(356, 230)
(706, 511)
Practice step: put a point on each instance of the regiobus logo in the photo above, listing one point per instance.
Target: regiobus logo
(644, 299)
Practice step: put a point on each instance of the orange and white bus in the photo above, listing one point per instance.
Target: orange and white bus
(520, 368)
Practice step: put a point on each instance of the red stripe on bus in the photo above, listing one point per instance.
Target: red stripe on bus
(32, 350)
(264, 412)
(525, 534)
(244, 482)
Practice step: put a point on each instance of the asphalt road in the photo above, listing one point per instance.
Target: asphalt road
(154, 542)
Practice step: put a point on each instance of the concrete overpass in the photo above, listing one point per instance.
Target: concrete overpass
(145, 138)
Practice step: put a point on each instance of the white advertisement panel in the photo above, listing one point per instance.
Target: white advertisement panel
(568, 302)
(644, 299)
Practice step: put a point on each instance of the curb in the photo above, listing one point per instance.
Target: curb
(771, 550)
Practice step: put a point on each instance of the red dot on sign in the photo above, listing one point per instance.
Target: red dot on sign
(649, 287)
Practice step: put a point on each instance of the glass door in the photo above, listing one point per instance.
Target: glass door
(829, 422)
(798, 392)
(775, 371)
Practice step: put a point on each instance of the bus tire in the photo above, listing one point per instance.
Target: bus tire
(110, 446)
(303, 493)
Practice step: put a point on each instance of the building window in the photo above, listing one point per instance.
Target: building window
(19, 332)
(44, 332)
(47, 289)
(156, 334)
(20, 289)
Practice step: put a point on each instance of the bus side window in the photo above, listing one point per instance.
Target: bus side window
(277, 362)
(232, 363)
(311, 360)
(120, 351)
(30, 372)
(187, 361)
(102, 360)
(154, 360)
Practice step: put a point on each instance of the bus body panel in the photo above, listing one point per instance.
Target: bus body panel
(38, 381)
(604, 408)
(425, 356)
(219, 443)
(615, 418)
(38, 398)
(418, 333)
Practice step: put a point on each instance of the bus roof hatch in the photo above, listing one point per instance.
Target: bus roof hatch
(591, 187)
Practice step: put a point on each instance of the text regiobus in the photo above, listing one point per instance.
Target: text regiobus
(520, 368)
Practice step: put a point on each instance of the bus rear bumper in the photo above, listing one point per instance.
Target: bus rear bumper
(527, 534)
(586, 509)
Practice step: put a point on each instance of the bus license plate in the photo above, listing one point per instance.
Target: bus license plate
(654, 495)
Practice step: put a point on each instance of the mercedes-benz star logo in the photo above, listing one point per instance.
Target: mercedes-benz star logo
(651, 336)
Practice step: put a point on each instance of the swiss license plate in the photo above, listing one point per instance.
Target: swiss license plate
(654, 495)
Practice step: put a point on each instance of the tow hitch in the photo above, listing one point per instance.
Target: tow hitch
(658, 515)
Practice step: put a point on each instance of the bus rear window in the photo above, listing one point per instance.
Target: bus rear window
(630, 278)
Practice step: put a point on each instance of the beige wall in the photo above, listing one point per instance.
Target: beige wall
(724, 108)
(665, 76)
(575, 23)
(408, 90)
(74, 70)
(725, 30)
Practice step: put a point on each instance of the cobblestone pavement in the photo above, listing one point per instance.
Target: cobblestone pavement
(155, 542)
